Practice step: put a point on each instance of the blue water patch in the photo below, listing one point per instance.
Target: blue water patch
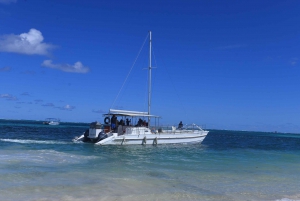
(228, 165)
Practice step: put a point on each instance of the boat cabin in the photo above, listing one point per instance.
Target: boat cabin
(130, 122)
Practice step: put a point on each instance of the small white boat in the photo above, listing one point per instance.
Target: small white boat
(141, 132)
(51, 121)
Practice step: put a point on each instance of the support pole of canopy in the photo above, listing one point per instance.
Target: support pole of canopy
(149, 89)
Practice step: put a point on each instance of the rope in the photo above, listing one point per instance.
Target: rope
(130, 70)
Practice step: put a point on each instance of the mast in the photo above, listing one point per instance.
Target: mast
(149, 84)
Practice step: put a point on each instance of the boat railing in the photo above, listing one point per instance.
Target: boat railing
(188, 128)
(170, 129)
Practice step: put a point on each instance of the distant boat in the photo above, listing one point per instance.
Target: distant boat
(51, 121)
(140, 132)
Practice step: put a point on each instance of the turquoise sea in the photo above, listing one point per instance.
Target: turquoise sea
(41, 163)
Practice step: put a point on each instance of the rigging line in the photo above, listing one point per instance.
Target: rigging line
(130, 70)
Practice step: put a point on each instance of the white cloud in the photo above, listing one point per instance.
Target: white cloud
(294, 61)
(26, 43)
(8, 97)
(68, 107)
(8, 1)
(76, 68)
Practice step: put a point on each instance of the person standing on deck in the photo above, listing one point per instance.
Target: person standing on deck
(180, 125)
(113, 122)
(128, 122)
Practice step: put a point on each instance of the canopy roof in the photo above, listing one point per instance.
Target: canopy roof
(129, 113)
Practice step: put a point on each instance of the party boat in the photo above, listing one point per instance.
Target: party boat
(133, 129)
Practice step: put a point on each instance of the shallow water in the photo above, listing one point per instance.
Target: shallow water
(39, 162)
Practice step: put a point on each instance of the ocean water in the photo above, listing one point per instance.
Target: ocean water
(41, 163)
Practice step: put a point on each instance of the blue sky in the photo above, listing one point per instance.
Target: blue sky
(226, 64)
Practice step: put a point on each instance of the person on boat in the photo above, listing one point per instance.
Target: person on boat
(128, 122)
(113, 122)
(140, 122)
(180, 125)
(145, 123)
(122, 122)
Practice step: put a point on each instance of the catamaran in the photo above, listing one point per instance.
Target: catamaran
(134, 129)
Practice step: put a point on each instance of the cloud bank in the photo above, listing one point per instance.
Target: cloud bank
(8, 97)
(26, 43)
(76, 68)
(67, 107)
(8, 1)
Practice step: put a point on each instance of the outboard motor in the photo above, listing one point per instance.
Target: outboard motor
(86, 136)
(95, 130)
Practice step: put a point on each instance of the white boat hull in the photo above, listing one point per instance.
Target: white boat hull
(54, 123)
(51, 121)
(152, 139)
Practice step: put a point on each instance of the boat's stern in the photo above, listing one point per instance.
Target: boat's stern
(94, 134)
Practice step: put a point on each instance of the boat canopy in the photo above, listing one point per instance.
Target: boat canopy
(129, 113)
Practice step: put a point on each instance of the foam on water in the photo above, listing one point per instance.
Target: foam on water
(297, 198)
(41, 158)
(23, 141)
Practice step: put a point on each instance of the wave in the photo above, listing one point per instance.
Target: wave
(22, 141)
(295, 198)
(40, 158)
